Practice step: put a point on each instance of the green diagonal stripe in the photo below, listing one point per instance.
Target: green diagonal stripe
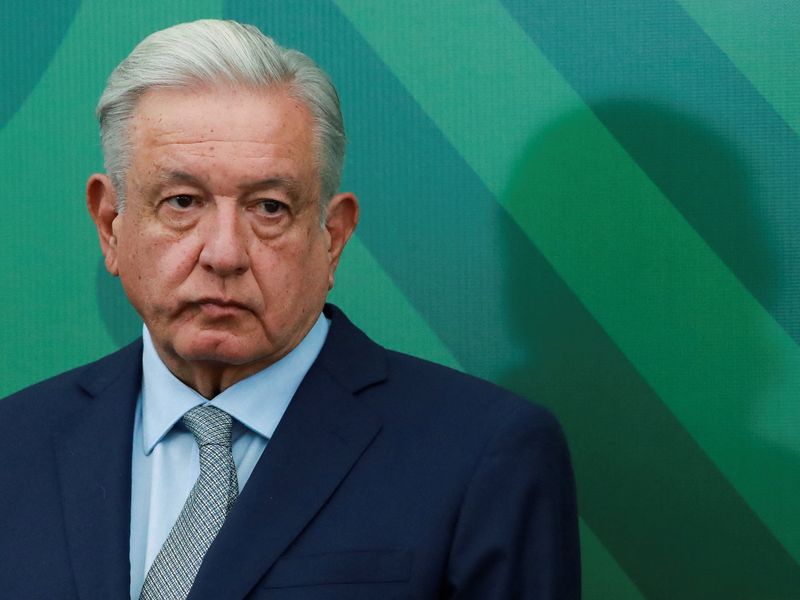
(605, 580)
(663, 296)
(765, 50)
(406, 331)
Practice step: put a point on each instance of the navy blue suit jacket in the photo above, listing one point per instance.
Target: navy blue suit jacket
(388, 477)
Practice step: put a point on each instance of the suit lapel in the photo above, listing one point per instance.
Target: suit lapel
(93, 452)
(324, 431)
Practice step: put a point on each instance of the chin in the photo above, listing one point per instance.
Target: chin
(222, 348)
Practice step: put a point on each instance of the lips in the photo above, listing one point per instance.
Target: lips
(220, 307)
(222, 302)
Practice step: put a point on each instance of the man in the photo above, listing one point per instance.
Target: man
(254, 443)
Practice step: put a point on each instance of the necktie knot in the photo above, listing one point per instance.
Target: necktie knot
(209, 425)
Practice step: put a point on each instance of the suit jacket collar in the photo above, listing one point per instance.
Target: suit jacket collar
(349, 356)
(320, 437)
(93, 449)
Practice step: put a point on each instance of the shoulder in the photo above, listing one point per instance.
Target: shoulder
(426, 396)
(462, 398)
(55, 397)
(470, 435)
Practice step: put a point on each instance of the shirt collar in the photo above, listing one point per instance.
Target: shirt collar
(165, 398)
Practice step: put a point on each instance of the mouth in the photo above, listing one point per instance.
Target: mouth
(220, 307)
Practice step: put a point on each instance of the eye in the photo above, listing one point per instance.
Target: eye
(181, 202)
(271, 207)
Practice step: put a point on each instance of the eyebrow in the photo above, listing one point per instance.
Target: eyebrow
(291, 185)
(169, 177)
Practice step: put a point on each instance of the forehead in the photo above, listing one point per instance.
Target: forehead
(224, 122)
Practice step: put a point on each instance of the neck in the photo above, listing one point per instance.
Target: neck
(210, 379)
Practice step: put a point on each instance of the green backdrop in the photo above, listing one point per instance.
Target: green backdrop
(594, 204)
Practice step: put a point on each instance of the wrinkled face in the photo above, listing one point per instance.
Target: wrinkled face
(220, 247)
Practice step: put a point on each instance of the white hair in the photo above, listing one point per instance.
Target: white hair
(213, 52)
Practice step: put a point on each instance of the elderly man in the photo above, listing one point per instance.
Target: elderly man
(254, 443)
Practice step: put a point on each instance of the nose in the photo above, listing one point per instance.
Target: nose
(224, 242)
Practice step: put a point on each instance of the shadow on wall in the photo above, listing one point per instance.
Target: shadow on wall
(648, 490)
(121, 321)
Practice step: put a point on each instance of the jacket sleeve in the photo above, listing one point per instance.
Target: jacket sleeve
(517, 532)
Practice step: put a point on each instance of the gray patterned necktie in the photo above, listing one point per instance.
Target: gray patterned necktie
(173, 571)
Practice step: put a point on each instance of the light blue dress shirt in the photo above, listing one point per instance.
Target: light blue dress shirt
(166, 459)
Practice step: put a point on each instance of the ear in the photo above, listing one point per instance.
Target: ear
(341, 221)
(101, 200)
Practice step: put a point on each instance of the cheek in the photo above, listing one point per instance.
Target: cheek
(312, 260)
(294, 274)
(314, 270)
(176, 259)
(155, 267)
